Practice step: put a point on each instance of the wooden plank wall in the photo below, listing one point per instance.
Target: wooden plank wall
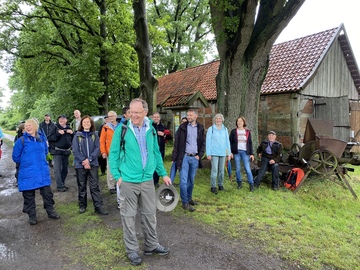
(355, 118)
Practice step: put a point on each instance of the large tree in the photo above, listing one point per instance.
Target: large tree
(79, 52)
(245, 31)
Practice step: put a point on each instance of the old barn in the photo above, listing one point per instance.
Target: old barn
(315, 76)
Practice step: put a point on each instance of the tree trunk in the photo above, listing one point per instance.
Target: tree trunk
(104, 68)
(244, 48)
(148, 83)
(238, 87)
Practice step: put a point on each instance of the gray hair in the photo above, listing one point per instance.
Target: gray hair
(112, 113)
(218, 115)
(143, 102)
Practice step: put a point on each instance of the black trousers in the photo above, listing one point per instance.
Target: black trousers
(102, 163)
(29, 201)
(155, 175)
(91, 175)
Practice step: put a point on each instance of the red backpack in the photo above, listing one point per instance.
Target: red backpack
(293, 178)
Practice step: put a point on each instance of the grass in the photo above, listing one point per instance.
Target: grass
(97, 245)
(316, 228)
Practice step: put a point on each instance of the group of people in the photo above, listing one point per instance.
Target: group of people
(134, 150)
(239, 146)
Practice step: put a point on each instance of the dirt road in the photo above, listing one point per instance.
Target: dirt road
(193, 246)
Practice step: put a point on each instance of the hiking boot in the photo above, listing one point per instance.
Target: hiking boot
(62, 189)
(134, 258)
(53, 215)
(251, 187)
(32, 220)
(221, 188)
(82, 209)
(214, 190)
(239, 185)
(188, 207)
(160, 250)
(192, 202)
(112, 191)
(101, 211)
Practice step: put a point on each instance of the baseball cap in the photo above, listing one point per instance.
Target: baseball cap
(62, 116)
(272, 132)
(47, 114)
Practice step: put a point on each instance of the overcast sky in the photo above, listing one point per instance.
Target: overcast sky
(313, 17)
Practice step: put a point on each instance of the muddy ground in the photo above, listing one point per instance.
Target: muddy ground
(45, 245)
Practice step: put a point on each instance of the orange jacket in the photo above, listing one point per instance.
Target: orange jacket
(105, 139)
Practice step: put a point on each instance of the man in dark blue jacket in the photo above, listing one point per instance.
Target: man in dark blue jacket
(60, 141)
(270, 152)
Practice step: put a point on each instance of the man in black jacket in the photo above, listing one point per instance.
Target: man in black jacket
(60, 141)
(48, 127)
(189, 148)
(161, 140)
(270, 152)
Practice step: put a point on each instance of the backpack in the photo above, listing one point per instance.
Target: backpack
(80, 139)
(293, 178)
(123, 132)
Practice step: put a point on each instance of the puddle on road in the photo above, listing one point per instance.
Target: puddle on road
(7, 186)
(7, 254)
(8, 192)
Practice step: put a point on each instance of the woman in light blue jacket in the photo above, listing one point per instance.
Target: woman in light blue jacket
(217, 149)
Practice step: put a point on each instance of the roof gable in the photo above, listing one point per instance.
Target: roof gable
(293, 62)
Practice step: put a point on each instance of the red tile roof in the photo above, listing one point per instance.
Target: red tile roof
(178, 87)
(291, 65)
(292, 62)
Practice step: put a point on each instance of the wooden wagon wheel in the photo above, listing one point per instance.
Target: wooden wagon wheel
(323, 162)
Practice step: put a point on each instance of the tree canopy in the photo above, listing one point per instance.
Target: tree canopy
(67, 54)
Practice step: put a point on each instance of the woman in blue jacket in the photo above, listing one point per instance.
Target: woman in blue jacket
(217, 149)
(30, 153)
(86, 149)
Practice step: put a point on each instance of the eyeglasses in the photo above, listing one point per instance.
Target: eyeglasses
(137, 113)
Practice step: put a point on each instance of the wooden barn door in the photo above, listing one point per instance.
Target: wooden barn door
(336, 109)
(355, 119)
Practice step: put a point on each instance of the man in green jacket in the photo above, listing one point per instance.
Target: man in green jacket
(132, 164)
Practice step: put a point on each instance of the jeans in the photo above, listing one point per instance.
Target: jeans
(245, 158)
(187, 176)
(61, 164)
(217, 170)
(274, 170)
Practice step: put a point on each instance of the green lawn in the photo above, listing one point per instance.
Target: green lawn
(316, 227)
